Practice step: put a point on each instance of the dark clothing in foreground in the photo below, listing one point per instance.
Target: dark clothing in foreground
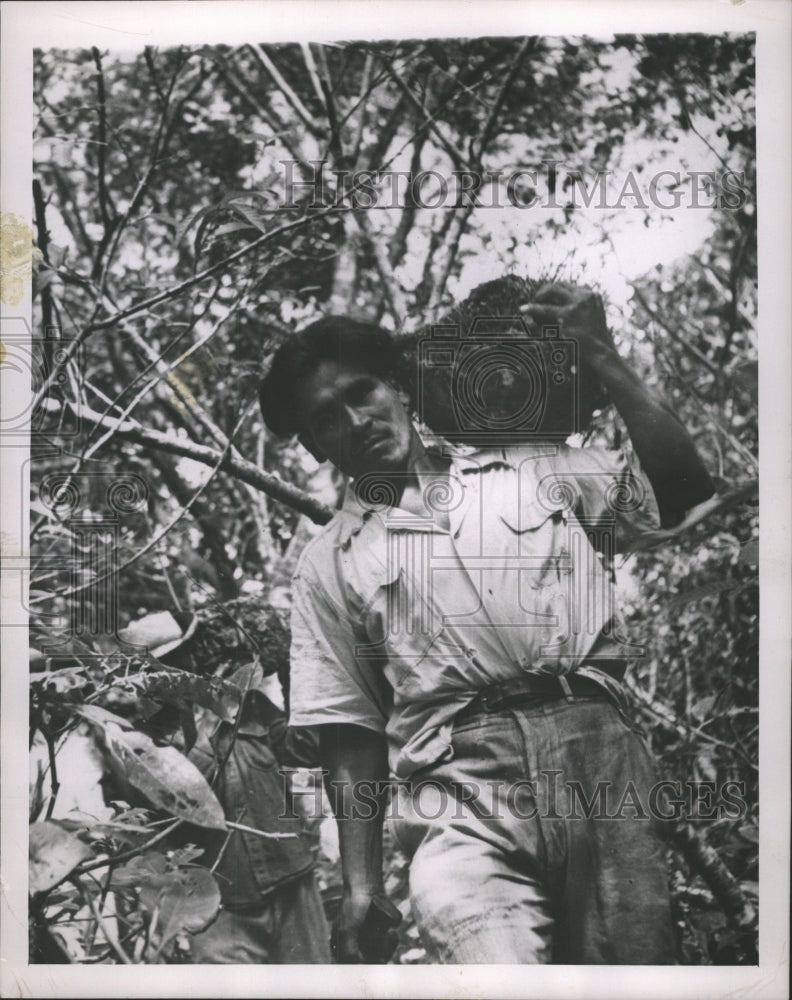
(272, 911)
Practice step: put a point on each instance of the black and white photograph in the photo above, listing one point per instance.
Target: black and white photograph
(381, 521)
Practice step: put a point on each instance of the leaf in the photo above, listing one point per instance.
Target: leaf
(164, 776)
(188, 901)
(749, 553)
(179, 900)
(703, 707)
(184, 227)
(41, 279)
(250, 215)
(61, 681)
(186, 855)
(232, 227)
(100, 716)
(57, 255)
(53, 854)
(145, 868)
(182, 689)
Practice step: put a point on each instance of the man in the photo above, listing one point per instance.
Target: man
(272, 911)
(454, 621)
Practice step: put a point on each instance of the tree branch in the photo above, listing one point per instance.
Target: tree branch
(104, 197)
(291, 95)
(171, 293)
(42, 240)
(376, 243)
(409, 212)
(693, 351)
(107, 930)
(234, 464)
(702, 512)
(704, 861)
(457, 156)
(461, 215)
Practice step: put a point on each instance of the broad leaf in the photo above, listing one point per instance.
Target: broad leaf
(145, 868)
(188, 902)
(53, 854)
(101, 717)
(182, 899)
(164, 776)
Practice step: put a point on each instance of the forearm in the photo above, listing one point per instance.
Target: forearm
(665, 449)
(357, 764)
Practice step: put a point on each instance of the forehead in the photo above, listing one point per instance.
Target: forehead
(329, 380)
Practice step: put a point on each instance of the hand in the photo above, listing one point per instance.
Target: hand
(345, 937)
(577, 311)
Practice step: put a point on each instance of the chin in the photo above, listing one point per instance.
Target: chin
(386, 462)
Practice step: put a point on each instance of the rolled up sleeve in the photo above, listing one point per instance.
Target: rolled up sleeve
(329, 684)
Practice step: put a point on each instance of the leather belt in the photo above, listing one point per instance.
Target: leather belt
(536, 688)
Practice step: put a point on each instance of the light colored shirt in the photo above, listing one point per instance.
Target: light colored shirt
(397, 623)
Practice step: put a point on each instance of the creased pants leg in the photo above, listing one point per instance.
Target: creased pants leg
(536, 842)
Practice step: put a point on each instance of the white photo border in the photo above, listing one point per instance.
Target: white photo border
(26, 25)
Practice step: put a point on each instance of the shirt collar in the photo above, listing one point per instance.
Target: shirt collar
(465, 460)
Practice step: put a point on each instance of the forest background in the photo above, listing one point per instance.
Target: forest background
(164, 279)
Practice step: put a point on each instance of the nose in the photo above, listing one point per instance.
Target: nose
(357, 420)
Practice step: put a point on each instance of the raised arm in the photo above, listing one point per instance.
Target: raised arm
(356, 760)
(663, 446)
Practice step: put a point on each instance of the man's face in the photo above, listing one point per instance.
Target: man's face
(354, 419)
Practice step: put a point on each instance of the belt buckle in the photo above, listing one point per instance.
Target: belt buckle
(485, 702)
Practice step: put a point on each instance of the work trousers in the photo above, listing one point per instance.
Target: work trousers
(289, 927)
(538, 841)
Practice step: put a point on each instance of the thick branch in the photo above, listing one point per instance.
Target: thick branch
(207, 521)
(104, 197)
(42, 239)
(288, 92)
(390, 285)
(407, 219)
(232, 463)
(704, 861)
(462, 214)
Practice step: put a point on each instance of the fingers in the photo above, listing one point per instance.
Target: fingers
(561, 293)
(542, 315)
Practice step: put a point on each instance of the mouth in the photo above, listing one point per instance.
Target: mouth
(375, 444)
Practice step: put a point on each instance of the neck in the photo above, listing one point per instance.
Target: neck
(406, 480)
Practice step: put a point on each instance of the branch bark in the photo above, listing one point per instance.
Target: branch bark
(171, 293)
(704, 861)
(233, 463)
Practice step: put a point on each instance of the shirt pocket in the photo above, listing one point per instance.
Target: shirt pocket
(538, 539)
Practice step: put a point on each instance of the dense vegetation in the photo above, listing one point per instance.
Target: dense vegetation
(178, 248)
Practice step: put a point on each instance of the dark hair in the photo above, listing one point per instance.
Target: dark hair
(333, 338)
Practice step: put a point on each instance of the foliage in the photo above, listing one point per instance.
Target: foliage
(178, 249)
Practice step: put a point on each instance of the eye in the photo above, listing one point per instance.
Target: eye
(360, 390)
